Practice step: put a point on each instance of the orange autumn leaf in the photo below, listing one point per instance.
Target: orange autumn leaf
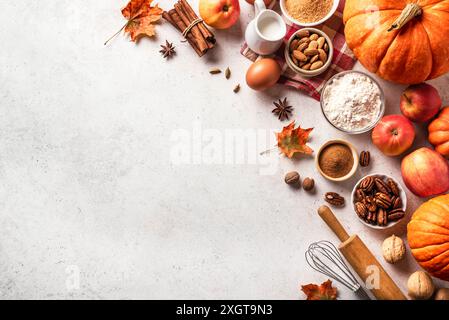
(141, 16)
(325, 291)
(291, 140)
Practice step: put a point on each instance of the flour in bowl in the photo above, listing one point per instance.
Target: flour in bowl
(352, 101)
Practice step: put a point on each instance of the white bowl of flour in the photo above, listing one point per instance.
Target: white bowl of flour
(353, 102)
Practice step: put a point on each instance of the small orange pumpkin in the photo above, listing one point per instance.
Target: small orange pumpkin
(404, 41)
(439, 132)
(428, 236)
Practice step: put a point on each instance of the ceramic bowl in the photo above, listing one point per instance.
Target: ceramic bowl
(381, 111)
(311, 24)
(401, 192)
(308, 73)
(355, 154)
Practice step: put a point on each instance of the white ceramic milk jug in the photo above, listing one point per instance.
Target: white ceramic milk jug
(265, 33)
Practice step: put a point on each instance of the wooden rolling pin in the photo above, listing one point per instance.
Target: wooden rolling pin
(361, 259)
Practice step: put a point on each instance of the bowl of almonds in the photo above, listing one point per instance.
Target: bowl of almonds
(309, 52)
(379, 201)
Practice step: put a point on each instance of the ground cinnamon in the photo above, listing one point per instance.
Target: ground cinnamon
(336, 160)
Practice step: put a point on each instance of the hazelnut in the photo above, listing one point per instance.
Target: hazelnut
(420, 286)
(308, 184)
(393, 249)
(292, 178)
(442, 294)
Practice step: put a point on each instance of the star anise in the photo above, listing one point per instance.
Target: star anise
(282, 110)
(168, 50)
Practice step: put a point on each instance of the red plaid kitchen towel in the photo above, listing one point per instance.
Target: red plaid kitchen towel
(343, 58)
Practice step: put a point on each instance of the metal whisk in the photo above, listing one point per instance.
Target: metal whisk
(324, 257)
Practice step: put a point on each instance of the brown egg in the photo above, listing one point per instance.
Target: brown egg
(263, 74)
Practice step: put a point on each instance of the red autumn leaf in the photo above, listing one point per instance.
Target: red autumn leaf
(325, 291)
(141, 16)
(291, 140)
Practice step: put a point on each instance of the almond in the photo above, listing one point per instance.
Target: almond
(299, 55)
(311, 52)
(313, 44)
(306, 66)
(314, 37)
(303, 40)
(321, 42)
(316, 65)
(314, 58)
(303, 33)
(322, 54)
(293, 45)
(302, 46)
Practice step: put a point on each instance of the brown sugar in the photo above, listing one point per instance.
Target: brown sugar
(336, 160)
(308, 11)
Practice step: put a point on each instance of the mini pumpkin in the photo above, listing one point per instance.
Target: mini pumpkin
(404, 41)
(428, 236)
(439, 132)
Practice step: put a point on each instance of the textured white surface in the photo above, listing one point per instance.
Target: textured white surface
(87, 181)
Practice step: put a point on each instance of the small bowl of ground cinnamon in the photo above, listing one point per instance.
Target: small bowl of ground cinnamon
(337, 160)
(308, 13)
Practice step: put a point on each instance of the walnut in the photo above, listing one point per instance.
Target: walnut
(393, 249)
(420, 286)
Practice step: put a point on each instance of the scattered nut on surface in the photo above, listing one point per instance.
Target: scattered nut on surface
(393, 249)
(442, 294)
(308, 184)
(420, 286)
(292, 178)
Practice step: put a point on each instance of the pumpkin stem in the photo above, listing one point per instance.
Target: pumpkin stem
(412, 10)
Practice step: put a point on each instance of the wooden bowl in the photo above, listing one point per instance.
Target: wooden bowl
(355, 154)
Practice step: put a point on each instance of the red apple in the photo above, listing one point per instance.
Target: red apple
(420, 102)
(393, 135)
(425, 172)
(220, 14)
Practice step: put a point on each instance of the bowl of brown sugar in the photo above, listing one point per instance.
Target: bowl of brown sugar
(337, 160)
(308, 13)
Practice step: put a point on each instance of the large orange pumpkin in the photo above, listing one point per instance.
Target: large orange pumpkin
(428, 236)
(439, 132)
(398, 39)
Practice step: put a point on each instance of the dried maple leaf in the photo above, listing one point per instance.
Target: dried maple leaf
(141, 16)
(291, 140)
(325, 291)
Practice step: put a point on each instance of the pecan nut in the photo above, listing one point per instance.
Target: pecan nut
(396, 214)
(334, 199)
(382, 186)
(396, 202)
(393, 187)
(383, 200)
(359, 195)
(382, 217)
(361, 210)
(367, 184)
(365, 158)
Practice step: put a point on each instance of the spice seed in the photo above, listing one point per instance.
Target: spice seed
(214, 71)
(227, 73)
(236, 88)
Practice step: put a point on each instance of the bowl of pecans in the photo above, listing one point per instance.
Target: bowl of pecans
(309, 52)
(379, 201)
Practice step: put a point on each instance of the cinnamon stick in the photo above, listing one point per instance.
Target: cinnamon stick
(203, 29)
(200, 40)
(174, 20)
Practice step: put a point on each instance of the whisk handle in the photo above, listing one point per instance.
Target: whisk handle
(328, 216)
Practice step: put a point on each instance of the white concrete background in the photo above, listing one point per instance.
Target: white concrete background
(86, 178)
